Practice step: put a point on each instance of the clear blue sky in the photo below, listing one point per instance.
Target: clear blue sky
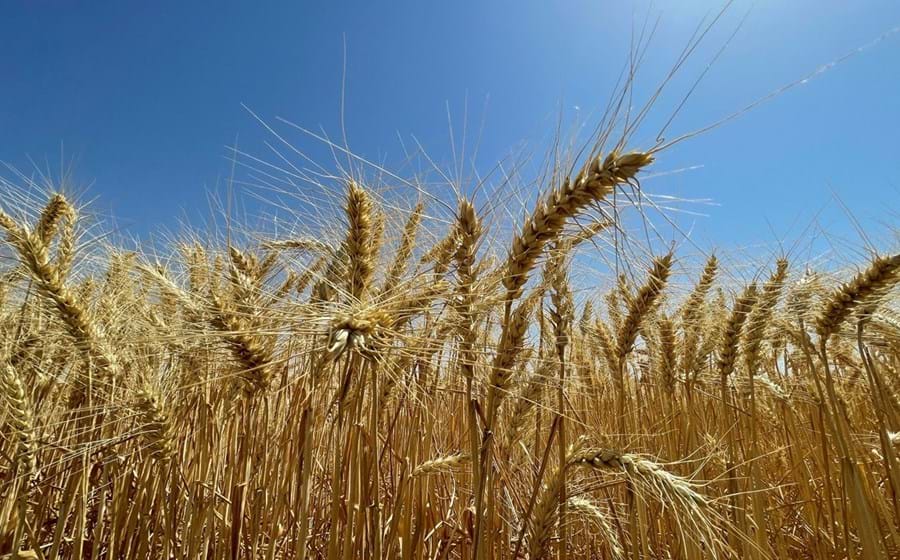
(147, 95)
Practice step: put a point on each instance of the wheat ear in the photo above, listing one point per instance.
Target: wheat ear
(642, 304)
(445, 464)
(405, 249)
(667, 358)
(645, 470)
(528, 397)
(761, 313)
(35, 254)
(607, 344)
(360, 240)
(881, 275)
(593, 183)
(511, 341)
(588, 508)
(468, 231)
(52, 214)
(21, 418)
(547, 507)
(729, 343)
(247, 348)
(649, 478)
(156, 424)
(690, 314)
(690, 310)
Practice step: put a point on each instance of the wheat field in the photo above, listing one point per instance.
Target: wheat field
(416, 381)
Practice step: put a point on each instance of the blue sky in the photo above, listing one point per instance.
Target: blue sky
(146, 96)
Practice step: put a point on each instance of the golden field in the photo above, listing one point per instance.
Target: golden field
(415, 381)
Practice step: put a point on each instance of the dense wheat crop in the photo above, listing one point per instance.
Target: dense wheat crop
(417, 381)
